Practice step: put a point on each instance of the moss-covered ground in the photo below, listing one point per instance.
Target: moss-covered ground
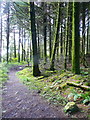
(3, 73)
(53, 85)
(4, 69)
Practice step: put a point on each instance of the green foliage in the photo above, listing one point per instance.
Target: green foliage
(4, 67)
(14, 59)
(76, 77)
(10, 64)
(84, 73)
(3, 73)
(84, 96)
(51, 84)
(75, 95)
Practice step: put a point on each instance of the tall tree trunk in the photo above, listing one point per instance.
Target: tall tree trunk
(22, 45)
(24, 51)
(27, 56)
(14, 45)
(55, 40)
(89, 35)
(45, 31)
(38, 40)
(70, 30)
(66, 47)
(1, 39)
(19, 46)
(61, 41)
(83, 28)
(30, 51)
(87, 50)
(36, 71)
(75, 39)
(8, 30)
(50, 37)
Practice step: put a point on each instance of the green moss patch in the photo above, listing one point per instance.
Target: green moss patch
(3, 73)
(53, 85)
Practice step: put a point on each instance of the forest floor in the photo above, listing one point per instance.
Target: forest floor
(20, 102)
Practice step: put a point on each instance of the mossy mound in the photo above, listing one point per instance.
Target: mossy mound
(71, 107)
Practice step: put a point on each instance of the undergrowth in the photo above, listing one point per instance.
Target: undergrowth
(4, 69)
(3, 73)
(53, 85)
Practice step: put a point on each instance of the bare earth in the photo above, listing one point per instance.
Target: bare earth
(20, 102)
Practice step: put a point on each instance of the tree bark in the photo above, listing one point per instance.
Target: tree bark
(83, 28)
(8, 30)
(1, 39)
(55, 40)
(61, 41)
(87, 50)
(70, 30)
(38, 40)
(75, 39)
(36, 71)
(19, 47)
(45, 31)
(14, 45)
(66, 47)
(22, 45)
(24, 51)
(50, 37)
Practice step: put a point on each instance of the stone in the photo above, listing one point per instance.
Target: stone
(71, 107)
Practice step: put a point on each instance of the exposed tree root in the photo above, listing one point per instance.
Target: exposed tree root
(83, 87)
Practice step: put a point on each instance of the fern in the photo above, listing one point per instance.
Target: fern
(87, 99)
(86, 96)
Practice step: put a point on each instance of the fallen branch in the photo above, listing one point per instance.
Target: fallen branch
(83, 87)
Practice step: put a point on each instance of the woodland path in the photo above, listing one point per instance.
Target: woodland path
(19, 102)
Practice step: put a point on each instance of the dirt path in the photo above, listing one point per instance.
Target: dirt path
(19, 102)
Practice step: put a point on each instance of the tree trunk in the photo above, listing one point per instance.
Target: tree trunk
(55, 40)
(66, 47)
(61, 41)
(70, 30)
(27, 56)
(36, 71)
(30, 51)
(75, 39)
(24, 51)
(38, 41)
(45, 31)
(22, 45)
(50, 37)
(19, 47)
(14, 45)
(87, 50)
(8, 30)
(83, 28)
(1, 38)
